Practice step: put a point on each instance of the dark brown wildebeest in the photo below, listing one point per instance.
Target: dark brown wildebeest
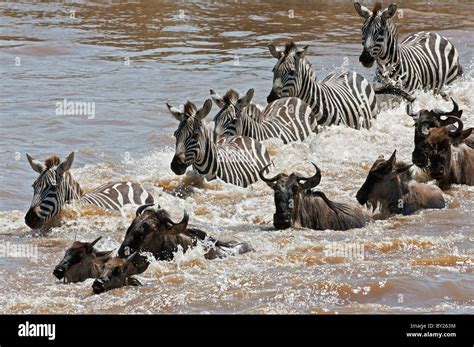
(427, 119)
(450, 158)
(81, 261)
(153, 231)
(297, 205)
(390, 184)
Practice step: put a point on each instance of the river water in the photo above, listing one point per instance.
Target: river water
(128, 59)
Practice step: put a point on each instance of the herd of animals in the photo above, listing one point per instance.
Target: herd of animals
(230, 148)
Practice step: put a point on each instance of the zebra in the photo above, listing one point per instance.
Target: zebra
(236, 160)
(345, 98)
(289, 119)
(253, 110)
(424, 60)
(55, 187)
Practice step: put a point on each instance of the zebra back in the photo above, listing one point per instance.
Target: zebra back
(115, 195)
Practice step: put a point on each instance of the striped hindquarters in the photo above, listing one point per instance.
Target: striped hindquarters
(428, 61)
(347, 98)
(115, 195)
(240, 159)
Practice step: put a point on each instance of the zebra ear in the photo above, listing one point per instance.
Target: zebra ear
(274, 51)
(390, 11)
(246, 99)
(176, 112)
(204, 111)
(65, 164)
(363, 11)
(217, 99)
(35, 164)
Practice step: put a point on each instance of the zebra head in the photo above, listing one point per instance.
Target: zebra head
(374, 31)
(286, 71)
(52, 189)
(231, 107)
(189, 135)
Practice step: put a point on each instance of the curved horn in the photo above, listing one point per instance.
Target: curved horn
(141, 208)
(268, 180)
(310, 182)
(180, 227)
(95, 241)
(455, 108)
(457, 132)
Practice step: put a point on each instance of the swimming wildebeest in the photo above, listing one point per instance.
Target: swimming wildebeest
(427, 119)
(297, 205)
(153, 231)
(450, 158)
(81, 261)
(389, 183)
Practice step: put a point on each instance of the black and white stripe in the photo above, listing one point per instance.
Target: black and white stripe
(236, 160)
(346, 98)
(425, 60)
(55, 187)
(289, 119)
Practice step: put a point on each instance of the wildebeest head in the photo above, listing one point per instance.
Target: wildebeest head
(188, 135)
(79, 260)
(424, 121)
(377, 185)
(373, 31)
(285, 72)
(286, 190)
(51, 190)
(231, 107)
(118, 272)
(149, 223)
(439, 149)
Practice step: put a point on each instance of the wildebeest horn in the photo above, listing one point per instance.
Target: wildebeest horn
(454, 110)
(95, 241)
(180, 227)
(268, 180)
(141, 208)
(457, 132)
(312, 181)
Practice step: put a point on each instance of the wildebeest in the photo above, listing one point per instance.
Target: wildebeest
(427, 119)
(297, 205)
(153, 231)
(450, 159)
(81, 261)
(390, 184)
(118, 272)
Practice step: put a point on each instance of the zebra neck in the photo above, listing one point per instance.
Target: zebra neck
(72, 189)
(307, 87)
(206, 158)
(389, 61)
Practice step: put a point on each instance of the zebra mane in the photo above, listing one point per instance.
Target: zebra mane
(52, 161)
(189, 109)
(290, 47)
(377, 8)
(230, 97)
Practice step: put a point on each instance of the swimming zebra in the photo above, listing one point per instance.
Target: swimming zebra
(253, 110)
(424, 60)
(346, 98)
(236, 160)
(289, 119)
(55, 187)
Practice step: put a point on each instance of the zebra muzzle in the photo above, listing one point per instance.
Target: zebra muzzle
(178, 166)
(366, 59)
(32, 219)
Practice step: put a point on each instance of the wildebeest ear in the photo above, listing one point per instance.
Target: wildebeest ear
(393, 158)
(276, 53)
(390, 11)
(35, 164)
(204, 110)
(65, 164)
(218, 100)
(363, 11)
(132, 281)
(246, 99)
(181, 226)
(176, 112)
(403, 168)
